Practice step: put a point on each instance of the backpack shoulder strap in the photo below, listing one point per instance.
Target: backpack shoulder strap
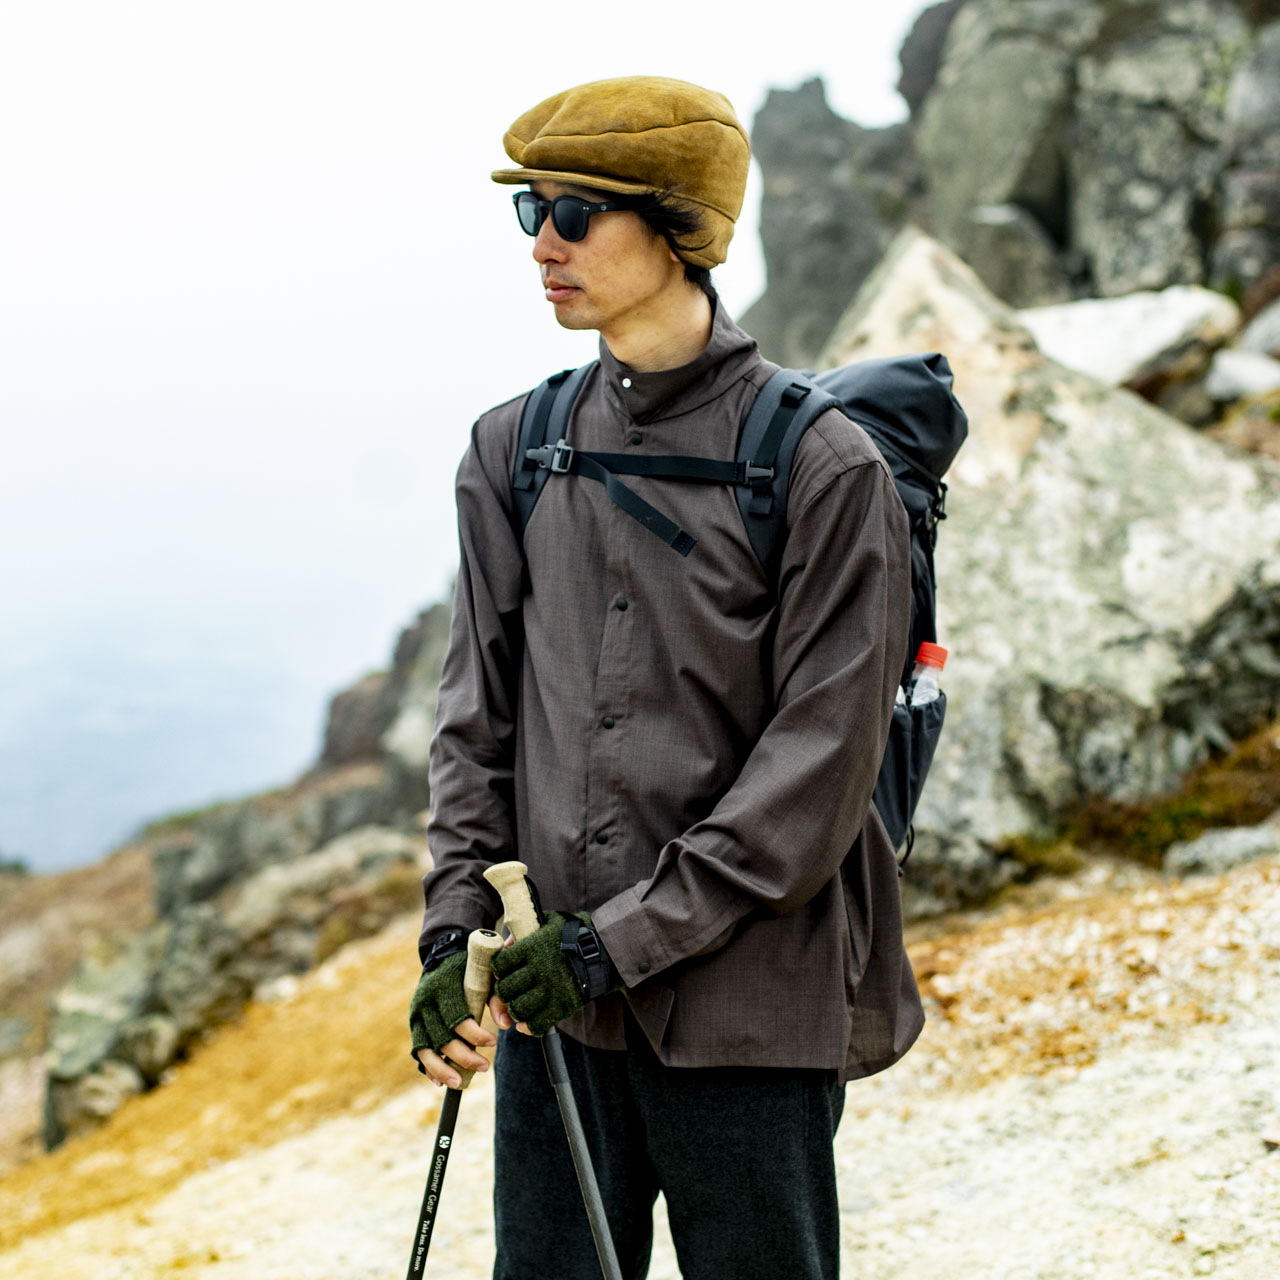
(781, 414)
(545, 417)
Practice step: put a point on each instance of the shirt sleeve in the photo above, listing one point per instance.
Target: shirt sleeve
(473, 748)
(787, 823)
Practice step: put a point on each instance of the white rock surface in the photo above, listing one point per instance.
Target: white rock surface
(1128, 340)
(1233, 374)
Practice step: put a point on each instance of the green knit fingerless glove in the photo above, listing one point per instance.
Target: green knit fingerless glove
(439, 1004)
(535, 977)
(535, 980)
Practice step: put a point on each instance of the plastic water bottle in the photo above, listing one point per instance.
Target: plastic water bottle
(930, 660)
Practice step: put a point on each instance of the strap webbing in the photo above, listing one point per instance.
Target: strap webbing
(766, 455)
(537, 433)
(634, 505)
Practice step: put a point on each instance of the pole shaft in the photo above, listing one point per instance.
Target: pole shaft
(553, 1051)
(508, 878)
(435, 1181)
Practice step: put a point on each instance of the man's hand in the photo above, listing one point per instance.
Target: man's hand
(553, 972)
(442, 1027)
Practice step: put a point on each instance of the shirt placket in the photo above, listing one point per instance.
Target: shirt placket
(605, 819)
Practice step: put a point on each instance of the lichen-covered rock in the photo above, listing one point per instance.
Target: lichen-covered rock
(990, 132)
(73, 1107)
(1248, 244)
(112, 985)
(1109, 580)
(129, 1012)
(198, 983)
(229, 844)
(1014, 256)
(87, 1074)
(293, 899)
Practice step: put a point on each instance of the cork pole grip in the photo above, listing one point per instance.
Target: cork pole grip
(508, 879)
(481, 945)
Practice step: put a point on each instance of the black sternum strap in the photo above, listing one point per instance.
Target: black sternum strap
(562, 458)
(634, 505)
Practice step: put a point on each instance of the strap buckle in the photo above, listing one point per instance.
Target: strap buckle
(557, 457)
(562, 457)
(755, 473)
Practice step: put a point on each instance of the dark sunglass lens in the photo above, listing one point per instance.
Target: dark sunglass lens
(531, 211)
(570, 217)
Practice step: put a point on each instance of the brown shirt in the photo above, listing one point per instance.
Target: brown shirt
(676, 744)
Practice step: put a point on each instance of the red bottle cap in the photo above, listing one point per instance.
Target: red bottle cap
(932, 655)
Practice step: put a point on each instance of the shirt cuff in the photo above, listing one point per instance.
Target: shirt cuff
(633, 946)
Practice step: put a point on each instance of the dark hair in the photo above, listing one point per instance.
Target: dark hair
(669, 217)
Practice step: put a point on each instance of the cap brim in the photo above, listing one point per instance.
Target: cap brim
(518, 177)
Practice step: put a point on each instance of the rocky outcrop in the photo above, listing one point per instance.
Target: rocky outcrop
(1149, 138)
(258, 890)
(1110, 581)
(921, 54)
(1063, 148)
(358, 717)
(834, 196)
(1248, 245)
(131, 1010)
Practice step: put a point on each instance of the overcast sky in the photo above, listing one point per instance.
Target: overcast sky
(255, 285)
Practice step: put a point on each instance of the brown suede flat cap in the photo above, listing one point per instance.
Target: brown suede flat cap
(639, 135)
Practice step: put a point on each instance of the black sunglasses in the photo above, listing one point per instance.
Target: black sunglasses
(570, 215)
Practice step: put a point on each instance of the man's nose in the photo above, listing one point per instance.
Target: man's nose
(547, 245)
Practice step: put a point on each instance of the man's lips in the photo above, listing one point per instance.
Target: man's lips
(557, 290)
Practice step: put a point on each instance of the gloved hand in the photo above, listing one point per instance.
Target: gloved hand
(553, 972)
(438, 1004)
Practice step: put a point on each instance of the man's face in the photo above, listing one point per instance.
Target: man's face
(619, 274)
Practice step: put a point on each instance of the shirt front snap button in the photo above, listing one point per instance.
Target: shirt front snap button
(620, 604)
(608, 722)
(602, 837)
(635, 438)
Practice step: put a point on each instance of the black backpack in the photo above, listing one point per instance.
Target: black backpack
(905, 404)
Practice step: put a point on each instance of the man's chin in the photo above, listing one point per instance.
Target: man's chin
(567, 318)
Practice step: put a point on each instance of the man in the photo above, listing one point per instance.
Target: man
(681, 748)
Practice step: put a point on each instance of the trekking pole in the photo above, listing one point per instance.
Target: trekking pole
(508, 878)
(481, 945)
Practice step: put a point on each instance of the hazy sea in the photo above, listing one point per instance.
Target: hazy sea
(91, 749)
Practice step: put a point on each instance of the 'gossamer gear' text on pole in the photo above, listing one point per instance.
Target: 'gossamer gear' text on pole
(481, 946)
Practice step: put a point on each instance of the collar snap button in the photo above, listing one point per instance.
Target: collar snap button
(626, 382)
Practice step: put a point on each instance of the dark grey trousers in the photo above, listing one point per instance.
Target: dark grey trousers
(743, 1156)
